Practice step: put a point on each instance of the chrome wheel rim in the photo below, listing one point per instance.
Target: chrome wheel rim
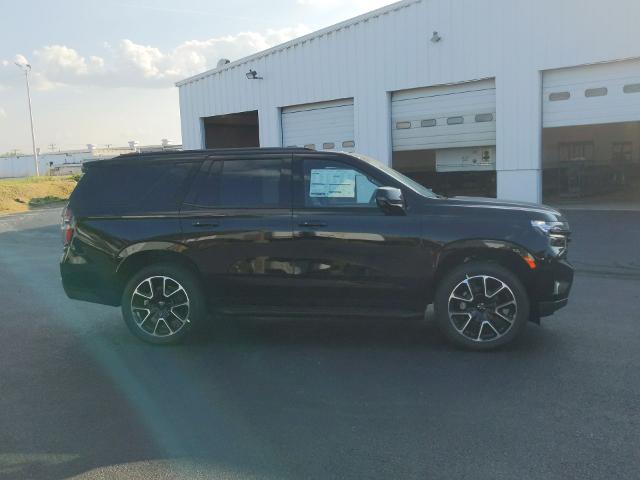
(482, 308)
(160, 306)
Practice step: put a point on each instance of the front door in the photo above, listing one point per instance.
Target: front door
(348, 253)
(236, 224)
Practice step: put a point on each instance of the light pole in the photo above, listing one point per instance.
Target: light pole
(26, 68)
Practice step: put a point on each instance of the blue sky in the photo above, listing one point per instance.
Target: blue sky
(103, 70)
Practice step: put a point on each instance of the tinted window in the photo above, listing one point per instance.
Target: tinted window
(136, 187)
(242, 184)
(251, 183)
(205, 188)
(330, 183)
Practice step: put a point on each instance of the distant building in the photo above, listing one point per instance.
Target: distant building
(65, 162)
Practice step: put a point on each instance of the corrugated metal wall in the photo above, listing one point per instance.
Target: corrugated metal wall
(366, 59)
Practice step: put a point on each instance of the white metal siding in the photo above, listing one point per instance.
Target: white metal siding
(318, 124)
(389, 50)
(443, 104)
(580, 109)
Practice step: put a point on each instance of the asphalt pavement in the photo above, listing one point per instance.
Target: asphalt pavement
(80, 397)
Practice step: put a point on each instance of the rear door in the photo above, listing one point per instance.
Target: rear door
(236, 223)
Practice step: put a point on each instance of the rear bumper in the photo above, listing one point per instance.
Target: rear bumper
(86, 282)
(91, 296)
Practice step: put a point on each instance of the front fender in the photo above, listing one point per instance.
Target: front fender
(475, 248)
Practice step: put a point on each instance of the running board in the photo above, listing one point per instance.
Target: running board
(315, 312)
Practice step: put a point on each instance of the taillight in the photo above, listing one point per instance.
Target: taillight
(67, 225)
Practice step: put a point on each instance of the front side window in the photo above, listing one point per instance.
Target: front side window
(258, 183)
(331, 183)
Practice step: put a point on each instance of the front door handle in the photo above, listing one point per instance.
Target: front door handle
(198, 224)
(312, 224)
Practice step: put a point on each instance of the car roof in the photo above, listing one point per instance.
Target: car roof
(200, 154)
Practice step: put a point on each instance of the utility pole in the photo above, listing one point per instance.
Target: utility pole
(26, 68)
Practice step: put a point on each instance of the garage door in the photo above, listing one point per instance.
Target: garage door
(321, 126)
(594, 94)
(451, 116)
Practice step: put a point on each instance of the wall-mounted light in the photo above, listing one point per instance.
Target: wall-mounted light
(436, 37)
(253, 75)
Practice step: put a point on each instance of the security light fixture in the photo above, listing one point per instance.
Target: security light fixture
(436, 37)
(253, 75)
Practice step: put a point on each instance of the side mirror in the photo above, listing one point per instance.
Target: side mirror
(390, 200)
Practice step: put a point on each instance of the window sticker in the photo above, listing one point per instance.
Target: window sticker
(332, 183)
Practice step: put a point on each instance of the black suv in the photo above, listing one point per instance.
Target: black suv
(173, 237)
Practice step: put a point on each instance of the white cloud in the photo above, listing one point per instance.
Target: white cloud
(132, 64)
(3, 113)
(60, 60)
(319, 3)
(361, 6)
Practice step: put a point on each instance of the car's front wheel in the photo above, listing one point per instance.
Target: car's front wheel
(481, 305)
(161, 303)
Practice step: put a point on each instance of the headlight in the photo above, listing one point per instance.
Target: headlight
(558, 233)
(551, 227)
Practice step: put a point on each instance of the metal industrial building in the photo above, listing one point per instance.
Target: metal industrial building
(509, 98)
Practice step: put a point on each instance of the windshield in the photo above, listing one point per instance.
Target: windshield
(412, 184)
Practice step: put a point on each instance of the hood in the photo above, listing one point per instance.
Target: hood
(525, 207)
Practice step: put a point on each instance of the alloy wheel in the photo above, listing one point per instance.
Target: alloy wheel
(160, 306)
(482, 308)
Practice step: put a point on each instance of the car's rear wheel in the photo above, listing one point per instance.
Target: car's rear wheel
(481, 305)
(161, 303)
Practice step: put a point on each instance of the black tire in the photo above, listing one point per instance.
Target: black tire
(476, 323)
(156, 330)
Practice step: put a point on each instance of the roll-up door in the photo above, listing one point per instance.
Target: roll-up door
(450, 116)
(592, 94)
(321, 126)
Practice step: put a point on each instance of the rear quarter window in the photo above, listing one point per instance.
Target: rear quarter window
(140, 188)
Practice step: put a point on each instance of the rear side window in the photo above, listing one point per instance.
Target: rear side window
(139, 187)
(242, 183)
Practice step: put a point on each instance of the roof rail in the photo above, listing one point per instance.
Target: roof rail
(204, 153)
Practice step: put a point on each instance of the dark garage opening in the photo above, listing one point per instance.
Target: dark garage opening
(236, 130)
(421, 166)
(592, 165)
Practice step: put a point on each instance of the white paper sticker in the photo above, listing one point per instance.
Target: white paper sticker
(333, 183)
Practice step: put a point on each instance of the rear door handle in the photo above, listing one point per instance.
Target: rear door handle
(205, 224)
(312, 224)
